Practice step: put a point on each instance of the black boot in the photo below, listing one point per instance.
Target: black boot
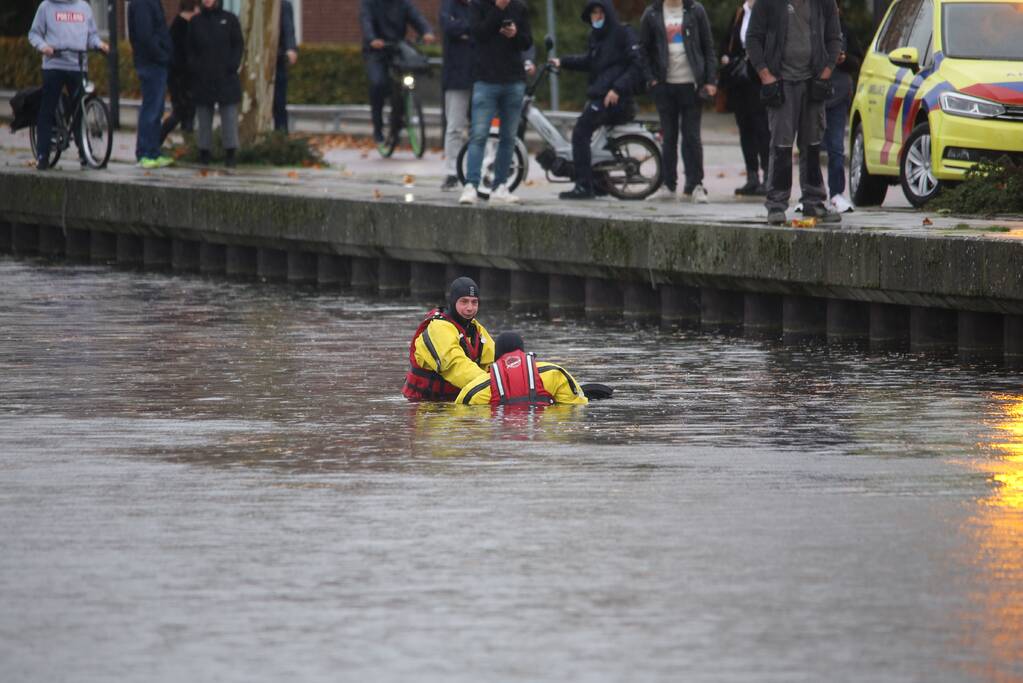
(229, 158)
(578, 192)
(204, 157)
(750, 188)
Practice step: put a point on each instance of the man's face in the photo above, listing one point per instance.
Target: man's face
(208, 4)
(596, 14)
(467, 306)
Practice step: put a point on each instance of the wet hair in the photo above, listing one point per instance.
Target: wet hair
(507, 342)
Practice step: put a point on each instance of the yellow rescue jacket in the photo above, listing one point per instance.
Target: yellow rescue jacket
(442, 360)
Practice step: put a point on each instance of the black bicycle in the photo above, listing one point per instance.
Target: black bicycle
(403, 110)
(86, 112)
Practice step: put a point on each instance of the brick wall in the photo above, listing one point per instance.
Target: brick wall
(337, 21)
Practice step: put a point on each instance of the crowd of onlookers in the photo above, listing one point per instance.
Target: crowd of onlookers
(787, 68)
(196, 60)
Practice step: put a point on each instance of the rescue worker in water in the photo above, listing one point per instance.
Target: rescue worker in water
(450, 348)
(517, 378)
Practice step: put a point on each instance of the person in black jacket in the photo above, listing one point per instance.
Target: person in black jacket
(743, 86)
(153, 50)
(679, 51)
(502, 33)
(383, 22)
(214, 56)
(616, 69)
(182, 108)
(793, 45)
(287, 54)
(455, 81)
(836, 115)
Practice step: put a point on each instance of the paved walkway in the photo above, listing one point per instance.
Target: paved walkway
(361, 173)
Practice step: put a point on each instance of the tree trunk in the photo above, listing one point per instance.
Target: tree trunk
(261, 23)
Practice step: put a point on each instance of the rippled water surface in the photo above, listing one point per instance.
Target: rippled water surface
(212, 481)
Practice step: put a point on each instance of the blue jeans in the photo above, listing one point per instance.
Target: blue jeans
(834, 145)
(503, 100)
(153, 81)
(55, 81)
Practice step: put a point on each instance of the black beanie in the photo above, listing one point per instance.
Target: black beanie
(506, 342)
(462, 286)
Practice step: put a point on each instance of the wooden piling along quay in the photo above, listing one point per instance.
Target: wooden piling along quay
(882, 289)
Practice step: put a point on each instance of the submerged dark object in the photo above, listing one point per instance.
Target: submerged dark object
(595, 391)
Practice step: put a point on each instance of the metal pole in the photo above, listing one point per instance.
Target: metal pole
(115, 83)
(552, 29)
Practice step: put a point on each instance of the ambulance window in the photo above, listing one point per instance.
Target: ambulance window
(920, 37)
(899, 25)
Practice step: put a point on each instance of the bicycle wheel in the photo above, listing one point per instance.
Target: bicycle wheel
(516, 170)
(636, 171)
(392, 129)
(56, 141)
(97, 132)
(415, 124)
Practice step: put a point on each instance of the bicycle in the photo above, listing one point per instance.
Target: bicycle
(626, 158)
(403, 108)
(89, 111)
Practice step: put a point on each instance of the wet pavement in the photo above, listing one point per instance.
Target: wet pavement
(362, 174)
(211, 480)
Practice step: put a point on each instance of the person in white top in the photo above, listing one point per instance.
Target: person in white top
(679, 50)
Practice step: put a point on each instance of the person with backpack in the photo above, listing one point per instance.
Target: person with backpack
(450, 348)
(679, 50)
(517, 378)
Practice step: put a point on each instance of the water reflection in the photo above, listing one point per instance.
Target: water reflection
(997, 533)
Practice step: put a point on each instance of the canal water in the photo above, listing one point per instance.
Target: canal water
(216, 481)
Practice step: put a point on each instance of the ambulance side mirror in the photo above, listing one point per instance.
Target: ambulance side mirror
(907, 57)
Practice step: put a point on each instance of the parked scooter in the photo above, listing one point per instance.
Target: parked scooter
(626, 158)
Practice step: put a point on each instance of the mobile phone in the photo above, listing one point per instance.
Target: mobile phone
(506, 23)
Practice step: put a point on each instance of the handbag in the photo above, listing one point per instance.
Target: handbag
(738, 71)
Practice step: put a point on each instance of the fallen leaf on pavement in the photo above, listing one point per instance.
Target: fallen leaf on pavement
(928, 221)
(722, 175)
(804, 222)
(293, 174)
(409, 179)
(377, 194)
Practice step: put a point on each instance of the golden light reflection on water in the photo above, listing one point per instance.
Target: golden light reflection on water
(996, 622)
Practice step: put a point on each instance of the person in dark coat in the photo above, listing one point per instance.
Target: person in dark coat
(743, 88)
(836, 115)
(153, 51)
(287, 55)
(214, 56)
(382, 22)
(182, 108)
(679, 52)
(616, 70)
(455, 81)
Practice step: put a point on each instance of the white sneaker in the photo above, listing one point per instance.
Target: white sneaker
(663, 194)
(468, 195)
(798, 208)
(503, 195)
(700, 195)
(840, 204)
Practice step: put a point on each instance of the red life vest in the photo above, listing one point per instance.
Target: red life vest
(515, 380)
(422, 384)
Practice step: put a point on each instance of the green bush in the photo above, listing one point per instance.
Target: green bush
(990, 188)
(21, 67)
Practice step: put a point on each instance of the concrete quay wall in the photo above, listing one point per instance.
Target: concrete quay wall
(923, 292)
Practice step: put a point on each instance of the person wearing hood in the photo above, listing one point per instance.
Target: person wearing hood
(383, 22)
(59, 29)
(450, 348)
(214, 56)
(182, 107)
(517, 378)
(679, 49)
(616, 68)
